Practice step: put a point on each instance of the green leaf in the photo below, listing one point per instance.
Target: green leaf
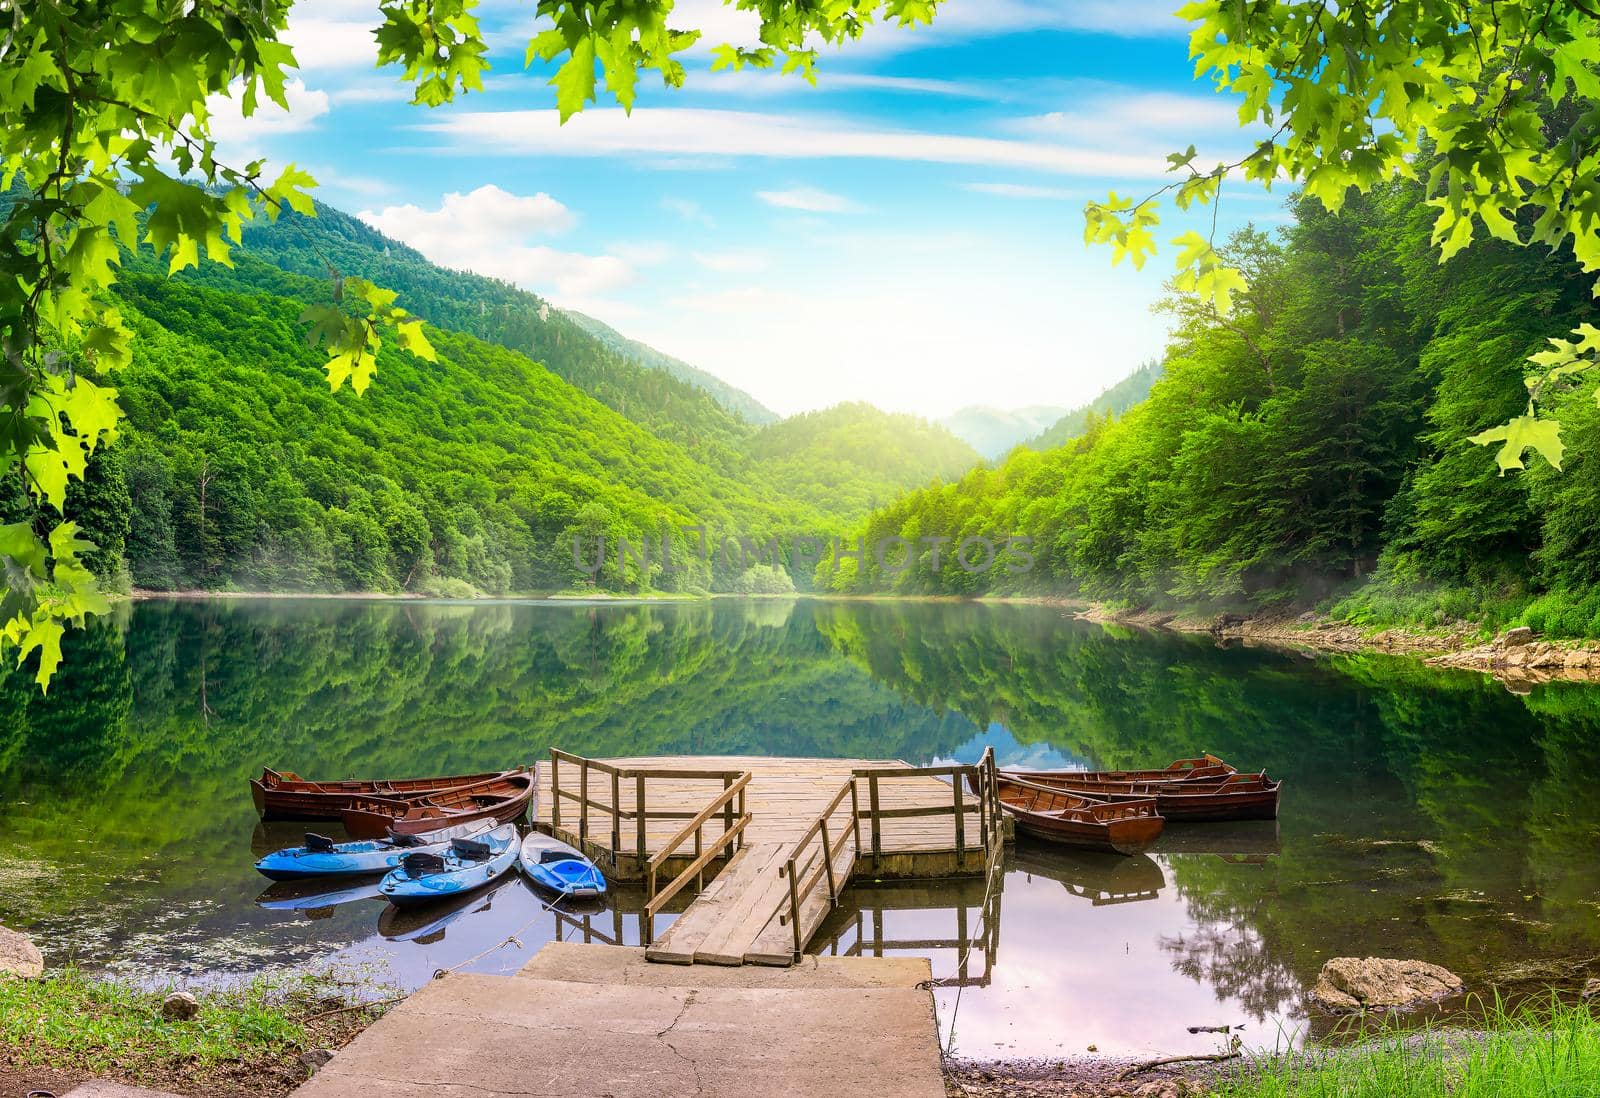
(1520, 435)
(574, 80)
(44, 634)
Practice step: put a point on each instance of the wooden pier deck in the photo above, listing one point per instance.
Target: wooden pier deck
(779, 838)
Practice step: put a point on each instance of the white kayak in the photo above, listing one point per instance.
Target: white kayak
(553, 865)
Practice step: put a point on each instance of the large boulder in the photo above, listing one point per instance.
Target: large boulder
(19, 956)
(1349, 984)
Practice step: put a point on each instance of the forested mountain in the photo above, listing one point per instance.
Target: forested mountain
(851, 458)
(471, 473)
(1112, 402)
(994, 431)
(239, 469)
(671, 399)
(1315, 443)
(736, 400)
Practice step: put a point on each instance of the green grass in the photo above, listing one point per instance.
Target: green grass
(71, 1021)
(1548, 1052)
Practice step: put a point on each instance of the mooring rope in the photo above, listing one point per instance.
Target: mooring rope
(996, 871)
(509, 939)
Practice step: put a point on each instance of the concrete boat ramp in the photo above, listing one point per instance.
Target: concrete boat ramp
(581, 1021)
(726, 1002)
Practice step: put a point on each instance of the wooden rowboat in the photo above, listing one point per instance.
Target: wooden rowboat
(285, 795)
(1231, 797)
(503, 798)
(1179, 770)
(1061, 816)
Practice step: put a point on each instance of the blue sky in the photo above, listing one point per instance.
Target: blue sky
(909, 232)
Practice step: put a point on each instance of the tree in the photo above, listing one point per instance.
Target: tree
(96, 95)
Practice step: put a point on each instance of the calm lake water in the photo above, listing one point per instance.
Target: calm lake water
(1425, 814)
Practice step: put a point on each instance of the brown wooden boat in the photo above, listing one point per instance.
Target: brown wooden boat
(1061, 816)
(285, 795)
(502, 798)
(1230, 797)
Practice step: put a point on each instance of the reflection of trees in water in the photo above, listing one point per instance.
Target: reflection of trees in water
(1229, 955)
(1474, 790)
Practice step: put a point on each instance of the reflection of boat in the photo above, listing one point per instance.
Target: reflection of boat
(426, 925)
(315, 895)
(285, 795)
(1060, 816)
(552, 864)
(503, 798)
(320, 856)
(1247, 839)
(1229, 797)
(1102, 879)
(466, 866)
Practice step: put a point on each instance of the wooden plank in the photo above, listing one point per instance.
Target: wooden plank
(743, 921)
(678, 945)
(775, 944)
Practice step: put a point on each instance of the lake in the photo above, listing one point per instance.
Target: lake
(1425, 814)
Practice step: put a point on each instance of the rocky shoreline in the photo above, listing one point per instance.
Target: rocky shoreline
(1517, 657)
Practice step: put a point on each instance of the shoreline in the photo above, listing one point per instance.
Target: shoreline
(1518, 657)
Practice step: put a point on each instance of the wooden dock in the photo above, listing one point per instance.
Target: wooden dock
(778, 838)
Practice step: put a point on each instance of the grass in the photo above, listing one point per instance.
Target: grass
(255, 1030)
(1534, 1052)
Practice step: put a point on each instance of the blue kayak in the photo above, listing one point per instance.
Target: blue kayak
(553, 865)
(322, 857)
(468, 865)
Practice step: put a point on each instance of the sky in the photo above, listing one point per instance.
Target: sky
(908, 232)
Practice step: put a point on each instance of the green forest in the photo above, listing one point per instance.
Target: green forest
(480, 473)
(1312, 447)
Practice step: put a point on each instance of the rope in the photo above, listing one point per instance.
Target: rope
(996, 871)
(509, 939)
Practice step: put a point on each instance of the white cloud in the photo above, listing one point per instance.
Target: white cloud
(809, 199)
(374, 89)
(492, 232)
(688, 209)
(641, 253)
(321, 44)
(768, 82)
(732, 262)
(693, 131)
(1024, 190)
(1110, 113)
(241, 139)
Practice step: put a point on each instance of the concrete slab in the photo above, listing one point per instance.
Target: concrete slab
(99, 1088)
(792, 1034)
(626, 965)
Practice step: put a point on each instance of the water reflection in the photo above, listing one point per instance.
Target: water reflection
(1424, 814)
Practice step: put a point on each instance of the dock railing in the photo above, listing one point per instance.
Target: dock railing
(704, 852)
(983, 797)
(596, 779)
(812, 858)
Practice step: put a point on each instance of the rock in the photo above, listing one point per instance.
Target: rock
(1592, 987)
(1514, 638)
(1576, 660)
(316, 1058)
(180, 1006)
(1349, 984)
(19, 956)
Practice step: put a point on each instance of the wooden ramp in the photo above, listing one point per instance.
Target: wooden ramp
(780, 838)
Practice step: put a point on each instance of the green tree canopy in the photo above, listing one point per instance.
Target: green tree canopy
(106, 113)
